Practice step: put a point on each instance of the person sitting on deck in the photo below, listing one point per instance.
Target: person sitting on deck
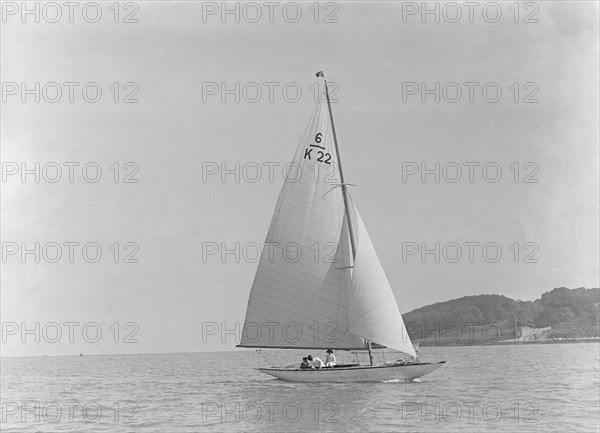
(330, 359)
(316, 362)
(305, 364)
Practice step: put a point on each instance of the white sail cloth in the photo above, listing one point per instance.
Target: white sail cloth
(305, 293)
(374, 313)
(299, 297)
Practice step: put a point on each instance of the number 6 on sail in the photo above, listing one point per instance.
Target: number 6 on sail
(348, 297)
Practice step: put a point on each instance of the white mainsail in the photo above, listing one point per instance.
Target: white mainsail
(374, 313)
(299, 298)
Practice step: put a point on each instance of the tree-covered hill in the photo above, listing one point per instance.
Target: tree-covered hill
(559, 313)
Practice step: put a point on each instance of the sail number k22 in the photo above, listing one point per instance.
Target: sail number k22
(321, 155)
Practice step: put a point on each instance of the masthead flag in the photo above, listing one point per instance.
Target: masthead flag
(320, 74)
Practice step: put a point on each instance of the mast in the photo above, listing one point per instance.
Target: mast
(344, 191)
(344, 188)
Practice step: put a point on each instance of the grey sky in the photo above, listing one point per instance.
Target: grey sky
(175, 130)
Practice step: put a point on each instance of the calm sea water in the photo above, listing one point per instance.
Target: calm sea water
(526, 388)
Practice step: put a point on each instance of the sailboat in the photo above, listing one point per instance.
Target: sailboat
(319, 282)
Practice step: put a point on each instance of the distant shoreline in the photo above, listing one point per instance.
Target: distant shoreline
(514, 343)
(234, 350)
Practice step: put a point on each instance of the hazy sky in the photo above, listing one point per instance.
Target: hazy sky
(178, 62)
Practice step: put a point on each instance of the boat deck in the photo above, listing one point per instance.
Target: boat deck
(348, 367)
